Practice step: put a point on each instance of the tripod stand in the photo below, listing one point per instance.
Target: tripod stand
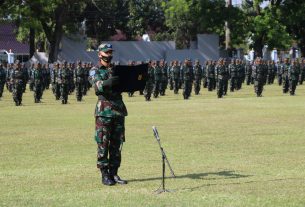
(164, 159)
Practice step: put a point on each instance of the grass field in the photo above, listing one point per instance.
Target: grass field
(237, 151)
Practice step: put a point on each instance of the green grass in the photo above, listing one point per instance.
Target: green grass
(237, 151)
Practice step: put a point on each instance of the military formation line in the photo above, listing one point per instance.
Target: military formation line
(66, 78)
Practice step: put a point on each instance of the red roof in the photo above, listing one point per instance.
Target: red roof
(8, 39)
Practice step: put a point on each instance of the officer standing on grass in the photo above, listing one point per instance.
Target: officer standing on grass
(110, 115)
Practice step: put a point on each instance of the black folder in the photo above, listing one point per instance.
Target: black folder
(131, 78)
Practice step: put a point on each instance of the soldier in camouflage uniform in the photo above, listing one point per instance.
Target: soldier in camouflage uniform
(260, 75)
(9, 71)
(175, 75)
(149, 86)
(2, 79)
(234, 76)
(271, 72)
(170, 78)
(64, 77)
(157, 78)
(280, 67)
(17, 78)
(284, 73)
(222, 75)
(38, 83)
(187, 75)
(55, 81)
(25, 76)
(197, 77)
(110, 115)
(79, 78)
(31, 77)
(293, 74)
(164, 77)
(240, 73)
(302, 71)
(248, 70)
(210, 71)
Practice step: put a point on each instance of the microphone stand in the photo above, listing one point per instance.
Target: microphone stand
(164, 159)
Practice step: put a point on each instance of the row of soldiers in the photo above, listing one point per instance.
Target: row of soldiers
(221, 74)
(64, 78)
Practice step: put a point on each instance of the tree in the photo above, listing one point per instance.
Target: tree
(264, 26)
(292, 15)
(187, 18)
(52, 17)
(144, 16)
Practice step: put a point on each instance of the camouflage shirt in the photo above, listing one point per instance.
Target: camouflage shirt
(111, 105)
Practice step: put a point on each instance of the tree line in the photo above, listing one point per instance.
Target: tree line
(42, 23)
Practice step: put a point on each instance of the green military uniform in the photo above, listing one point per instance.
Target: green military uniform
(79, 78)
(260, 74)
(248, 71)
(222, 75)
(63, 81)
(293, 74)
(175, 75)
(17, 79)
(187, 76)
(285, 78)
(149, 83)
(164, 78)
(234, 76)
(2, 79)
(157, 79)
(210, 74)
(197, 77)
(302, 72)
(38, 83)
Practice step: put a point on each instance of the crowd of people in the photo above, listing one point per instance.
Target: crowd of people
(66, 78)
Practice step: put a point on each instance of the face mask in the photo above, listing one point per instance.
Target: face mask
(107, 59)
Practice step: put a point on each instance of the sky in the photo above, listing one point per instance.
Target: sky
(264, 4)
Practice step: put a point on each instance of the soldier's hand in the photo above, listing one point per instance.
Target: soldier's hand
(112, 81)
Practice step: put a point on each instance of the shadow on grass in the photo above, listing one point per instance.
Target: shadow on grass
(222, 174)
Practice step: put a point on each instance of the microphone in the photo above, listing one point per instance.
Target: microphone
(156, 133)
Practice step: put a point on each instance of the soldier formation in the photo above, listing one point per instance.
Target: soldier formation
(66, 78)
(221, 74)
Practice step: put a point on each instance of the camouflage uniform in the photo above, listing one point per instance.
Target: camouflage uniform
(302, 72)
(197, 77)
(38, 83)
(222, 75)
(284, 73)
(149, 83)
(110, 114)
(63, 78)
(260, 75)
(234, 76)
(175, 74)
(248, 71)
(157, 79)
(187, 75)
(164, 78)
(17, 79)
(293, 74)
(55, 81)
(79, 77)
(2, 79)
(210, 71)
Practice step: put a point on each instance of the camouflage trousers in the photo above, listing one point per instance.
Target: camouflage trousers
(79, 87)
(38, 90)
(109, 136)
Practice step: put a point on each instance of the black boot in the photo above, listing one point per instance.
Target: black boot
(106, 178)
(116, 178)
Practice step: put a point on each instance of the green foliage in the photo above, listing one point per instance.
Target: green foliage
(145, 16)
